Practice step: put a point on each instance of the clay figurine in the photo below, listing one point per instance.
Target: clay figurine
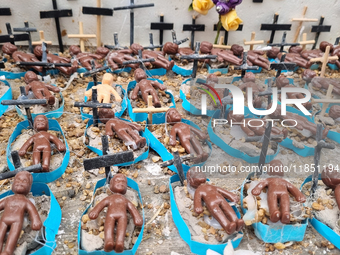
(147, 87)
(117, 207)
(41, 143)
(308, 75)
(105, 90)
(51, 58)
(116, 58)
(160, 60)
(173, 49)
(40, 89)
(14, 209)
(331, 178)
(323, 83)
(282, 81)
(278, 191)
(20, 56)
(125, 130)
(215, 200)
(334, 51)
(334, 112)
(86, 58)
(290, 57)
(187, 135)
(275, 168)
(309, 54)
(222, 55)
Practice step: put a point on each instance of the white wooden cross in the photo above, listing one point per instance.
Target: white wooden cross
(42, 39)
(252, 41)
(324, 60)
(150, 109)
(304, 41)
(301, 20)
(82, 37)
(326, 101)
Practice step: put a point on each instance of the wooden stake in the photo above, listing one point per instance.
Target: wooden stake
(99, 26)
(252, 41)
(324, 60)
(42, 39)
(301, 20)
(82, 37)
(220, 44)
(304, 41)
(150, 109)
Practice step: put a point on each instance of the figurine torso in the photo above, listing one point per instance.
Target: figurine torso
(15, 207)
(117, 206)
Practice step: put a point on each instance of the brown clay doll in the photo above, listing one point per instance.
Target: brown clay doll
(334, 112)
(308, 75)
(86, 58)
(173, 49)
(323, 83)
(117, 207)
(215, 200)
(40, 89)
(290, 57)
(125, 130)
(331, 178)
(282, 81)
(14, 209)
(275, 168)
(146, 87)
(278, 192)
(186, 134)
(116, 58)
(254, 57)
(222, 55)
(309, 54)
(105, 90)
(334, 51)
(41, 143)
(51, 58)
(20, 56)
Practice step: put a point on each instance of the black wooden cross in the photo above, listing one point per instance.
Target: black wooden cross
(264, 149)
(5, 12)
(193, 28)
(282, 66)
(196, 56)
(19, 168)
(12, 38)
(28, 30)
(257, 1)
(174, 38)
(319, 29)
(56, 14)
(116, 46)
(140, 60)
(177, 162)
(275, 27)
(131, 7)
(226, 33)
(161, 26)
(283, 43)
(152, 46)
(244, 67)
(2, 64)
(321, 144)
(26, 102)
(337, 41)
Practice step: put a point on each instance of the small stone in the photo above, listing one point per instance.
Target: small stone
(155, 159)
(82, 198)
(218, 73)
(58, 184)
(317, 206)
(88, 186)
(162, 189)
(71, 245)
(279, 246)
(91, 242)
(101, 235)
(156, 189)
(64, 198)
(71, 193)
(85, 218)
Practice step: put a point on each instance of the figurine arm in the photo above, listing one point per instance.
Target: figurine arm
(2, 204)
(199, 133)
(228, 195)
(259, 187)
(173, 135)
(135, 126)
(198, 208)
(115, 94)
(60, 145)
(26, 145)
(108, 128)
(137, 219)
(158, 85)
(88, 93)
(52, 88)
(296, 193)
(98, 208)
(27, 88)
(135, 92)
(36, 223)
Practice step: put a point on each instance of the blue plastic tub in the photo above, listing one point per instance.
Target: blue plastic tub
(6, 96)
(132, 184)
(40, 177)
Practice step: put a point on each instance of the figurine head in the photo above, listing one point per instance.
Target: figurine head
(275, 168)
(334, 112)
(237, 49)
(74, 50)
(139, 75)
(9, 48)
(135, 47)
(30, 76)
(295, 49)
(249, 77)
(22, 183)
(331, 178)
(273, 52)
(38, 52)
(106, 114)
(281, 81)
(195, 177)
(102, 51)
(107, 79)
(235, 117)
(308, 75)
(41, 123)
(324, 44)
(173, 116)
(170, 48)
(276, 113)
(206, 47)
(212, 78)
(118, 184)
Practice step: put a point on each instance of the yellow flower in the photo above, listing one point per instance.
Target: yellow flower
(202, 6)
(230, 21)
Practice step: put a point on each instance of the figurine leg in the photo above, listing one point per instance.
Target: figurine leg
(219, 215)
(230, 213)
(156, 102)
(3, 231)
(120, 234)
(12, 238)
(275, 214)
(201, 154)
(336, 193)
(285, 208)
(49, 97)
(36, 156)
(140, 141)
(109, 225)
(46, 157)
(127, 139)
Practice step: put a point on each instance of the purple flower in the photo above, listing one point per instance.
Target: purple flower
(222, 8)
(215, 1)
(233, 3)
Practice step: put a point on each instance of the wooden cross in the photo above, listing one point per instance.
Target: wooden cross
(150, 109)
(152, 46)
(252, 41)
(283, 43)
(264, 149)
(275, 27)
(324, 60)
(140, 60)
(28, 30)
(12, 38)
(131, 7)
(5, 12)
(193, 28)
(282, 66)
(174, 38)
(82, 37)
(220, 44)
(244, 67)
(116, 42)
(326, 101)
(56, 14)
(42, 39)
(318, 29)
(226, 33)
(161, 26)
(99, 12)
(301, 20)
(304, 41)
